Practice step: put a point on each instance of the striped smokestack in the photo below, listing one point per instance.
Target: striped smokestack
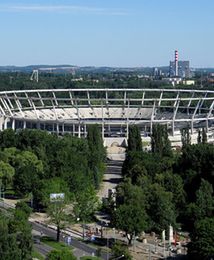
(176, 63)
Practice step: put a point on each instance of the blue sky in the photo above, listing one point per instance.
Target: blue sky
(106, 32)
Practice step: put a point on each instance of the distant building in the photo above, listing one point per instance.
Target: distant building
(183, 69)
(188, 82)
(156, 73)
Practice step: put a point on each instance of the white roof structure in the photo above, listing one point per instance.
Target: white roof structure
(177, 108)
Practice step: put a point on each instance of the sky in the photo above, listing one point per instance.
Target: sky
(117, 33)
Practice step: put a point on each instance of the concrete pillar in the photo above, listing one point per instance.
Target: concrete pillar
(191, 127)
(38, 125)
(79, 131)
(57, 128)
(207, 125)
(5, 123)
(103, 128)
(63, 128)
(127, 129)
(173, 128)
(13, 124)
(85, 130)
(24, 124)
(73, 130)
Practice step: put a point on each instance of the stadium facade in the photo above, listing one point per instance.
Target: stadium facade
(72, 110)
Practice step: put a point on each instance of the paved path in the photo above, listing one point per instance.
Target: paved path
(111, 178)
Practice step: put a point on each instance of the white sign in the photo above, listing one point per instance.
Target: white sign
(57, 196)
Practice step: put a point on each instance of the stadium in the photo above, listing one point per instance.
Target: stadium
(72, 110)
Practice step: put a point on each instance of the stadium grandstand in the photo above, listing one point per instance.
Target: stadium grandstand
(72, 110)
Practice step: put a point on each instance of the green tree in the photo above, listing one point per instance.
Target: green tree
(97, 154)
(130, 215)
(133, 167)
(159, 140)
(161, 208)
(134, 139)
(173, 183)
(204, 136)
(9, 248)
(86, 203)
(204, 200)
(6, 175)
(199, 137)
(20, 226)
(60, 211)
(119, 249)
(29, 170)
(7, 138)
(61, 255)
(202, 240)
(185, 137)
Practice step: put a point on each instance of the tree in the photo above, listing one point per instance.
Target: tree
(61, 255)
(97, 154)
(7, 138)
(159, 141)
(86, 202)
(6, 175)
(161, 208)
(204, 136)
(134, 139)
(199, 136)
(172, 183)
(26, 210)
(9, 248)
(185, 137)
(204, 200)
(22, 228)
(202, 240)
(196, 162)
(59, 214)
(130, 215)
(119, 249)
(133, 166)
(58, 210)
(29, 170)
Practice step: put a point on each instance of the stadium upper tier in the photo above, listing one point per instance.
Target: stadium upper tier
(72, 109)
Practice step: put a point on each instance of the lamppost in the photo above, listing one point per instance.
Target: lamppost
(107, 243)
(83, 229)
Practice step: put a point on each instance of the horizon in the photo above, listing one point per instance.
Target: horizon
(107, 34)
(93, 66)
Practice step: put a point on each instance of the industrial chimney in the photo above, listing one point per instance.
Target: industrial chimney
(176, 63)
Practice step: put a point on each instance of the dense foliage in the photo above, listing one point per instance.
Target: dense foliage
(15, 234)
(172, 188)
(38, 163)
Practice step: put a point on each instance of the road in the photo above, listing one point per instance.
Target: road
(42, 248)
(79, 246)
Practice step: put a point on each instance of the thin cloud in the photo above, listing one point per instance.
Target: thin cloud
(62, 9)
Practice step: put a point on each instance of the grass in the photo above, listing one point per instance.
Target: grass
(53, 243)
(37, 255)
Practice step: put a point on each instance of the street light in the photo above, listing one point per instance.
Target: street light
(83, 229)
(107, 243)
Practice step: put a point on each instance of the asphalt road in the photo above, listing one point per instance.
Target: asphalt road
(42, 248)
(83, 248)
